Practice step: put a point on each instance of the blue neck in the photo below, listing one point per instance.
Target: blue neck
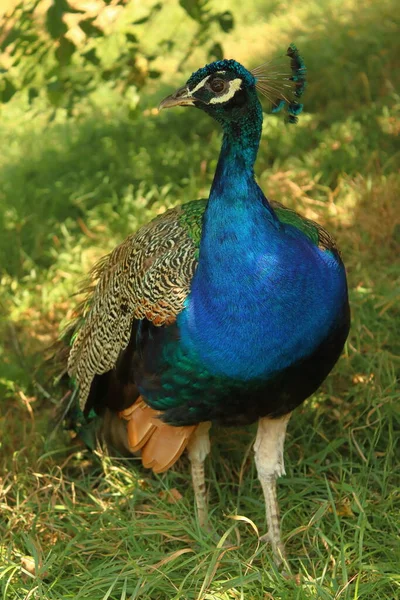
(239, 148)
(237, 212)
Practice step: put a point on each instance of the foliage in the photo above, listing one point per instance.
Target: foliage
(201, 12)
(78, 525)
(69, 47)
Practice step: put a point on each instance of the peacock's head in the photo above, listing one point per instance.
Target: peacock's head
(225, 89)
(218, 87)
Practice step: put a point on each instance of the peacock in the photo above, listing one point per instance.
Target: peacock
(228, 310)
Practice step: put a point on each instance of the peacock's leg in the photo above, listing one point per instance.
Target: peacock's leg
(268, 450)
(198, 448)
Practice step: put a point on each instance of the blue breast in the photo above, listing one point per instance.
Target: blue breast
(263, 295)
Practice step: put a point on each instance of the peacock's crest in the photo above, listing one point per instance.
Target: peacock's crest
(283, 86)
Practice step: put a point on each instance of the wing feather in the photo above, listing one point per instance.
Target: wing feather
(148, 276)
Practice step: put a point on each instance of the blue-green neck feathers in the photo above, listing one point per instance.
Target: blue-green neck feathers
(242, 132)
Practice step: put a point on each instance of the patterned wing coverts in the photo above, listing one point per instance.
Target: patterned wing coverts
(146, 277)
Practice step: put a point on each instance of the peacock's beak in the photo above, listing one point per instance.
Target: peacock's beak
(181, 97)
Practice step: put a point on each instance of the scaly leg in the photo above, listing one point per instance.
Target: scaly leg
(198, 448)
(268, 449)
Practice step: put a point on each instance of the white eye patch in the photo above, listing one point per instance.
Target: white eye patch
(234, 86)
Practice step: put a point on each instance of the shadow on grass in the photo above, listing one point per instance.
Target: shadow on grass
(73, 167)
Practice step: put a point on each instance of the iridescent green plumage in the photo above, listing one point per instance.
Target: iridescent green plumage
(315, 232)
(191, 219)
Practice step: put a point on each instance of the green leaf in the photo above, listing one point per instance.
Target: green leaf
(226, 21)
(142, 20)
(32, 94)
(91, 30)
(91, 56)
(8, 90)
(131, 37)
(107, 75)
(216, 52)
(55, 92)
(64, 51)
(54, 19)
(13, 34)
(196, 9)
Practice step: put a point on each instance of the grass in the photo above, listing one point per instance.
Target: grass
(80, 525)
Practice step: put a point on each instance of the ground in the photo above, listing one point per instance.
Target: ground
(80, 525)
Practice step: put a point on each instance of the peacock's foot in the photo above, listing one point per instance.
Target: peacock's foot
(277, 546)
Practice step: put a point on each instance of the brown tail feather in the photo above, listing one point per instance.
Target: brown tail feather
(161, 444)
(140, 424)
(165, 446)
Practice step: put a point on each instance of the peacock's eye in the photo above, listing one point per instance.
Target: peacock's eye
(217, 85)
